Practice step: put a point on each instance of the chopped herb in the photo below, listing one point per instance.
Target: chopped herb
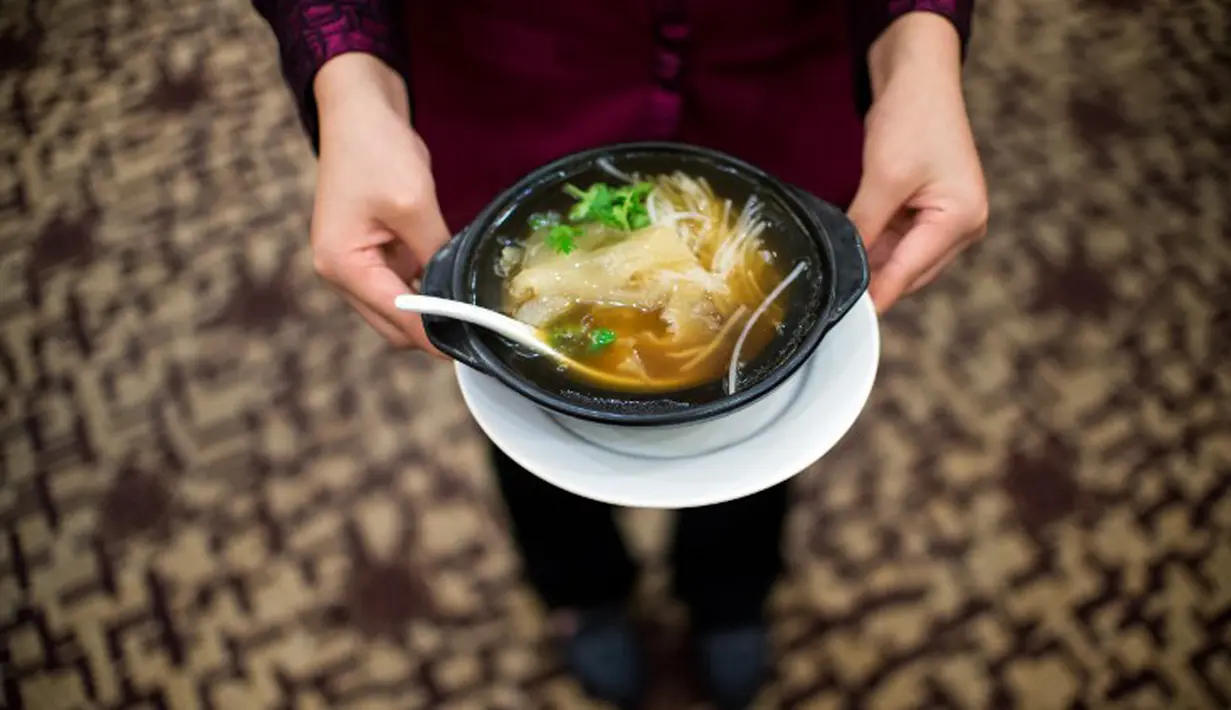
(639, 192)
(601, 338)
(576, 338)
(591, 204)
(543, 220)
(563, 238)
(621, 207)
(638, 216)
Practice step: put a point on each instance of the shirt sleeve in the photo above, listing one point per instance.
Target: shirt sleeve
(869, 18)
(311, 32)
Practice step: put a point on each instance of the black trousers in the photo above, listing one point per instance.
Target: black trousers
(725, 558)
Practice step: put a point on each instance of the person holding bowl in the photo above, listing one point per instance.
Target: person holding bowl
(422, 112)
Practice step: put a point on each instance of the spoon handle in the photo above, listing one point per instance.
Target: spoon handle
(510, 328)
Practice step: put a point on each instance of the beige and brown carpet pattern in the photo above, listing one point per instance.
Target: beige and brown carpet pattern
(219, 491)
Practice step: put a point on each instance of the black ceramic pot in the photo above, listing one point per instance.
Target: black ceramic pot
(805, 227)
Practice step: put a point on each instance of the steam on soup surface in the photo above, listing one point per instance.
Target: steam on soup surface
(649, 285)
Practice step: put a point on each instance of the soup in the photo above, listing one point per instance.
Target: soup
(649, 283)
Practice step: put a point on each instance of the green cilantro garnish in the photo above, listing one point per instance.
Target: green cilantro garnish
(620, 207)
(590, 203)
(577, 339)
(563, 237)
(601, 338)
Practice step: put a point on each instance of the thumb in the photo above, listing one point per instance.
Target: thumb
(876, 202)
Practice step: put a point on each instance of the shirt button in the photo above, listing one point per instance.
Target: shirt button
(673, 32)
(667, 65)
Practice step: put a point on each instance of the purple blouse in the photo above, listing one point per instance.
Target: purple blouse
(502, 86)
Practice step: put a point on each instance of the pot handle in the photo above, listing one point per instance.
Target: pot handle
(450, 336)
(850, 259)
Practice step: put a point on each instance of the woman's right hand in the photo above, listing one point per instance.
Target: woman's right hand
(376, 221)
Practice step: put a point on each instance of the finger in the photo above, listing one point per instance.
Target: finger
(876, 203)
(419, 225)
(379, 323)
(389, 330)
(328, 271)
(880, 252)
(419, 334)
(365, 277)
(930, 275)
(926, 245)
(403, 262)
(393, 333)
(416, 337)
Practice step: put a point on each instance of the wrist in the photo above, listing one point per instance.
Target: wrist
(913, 43)
(357, 79)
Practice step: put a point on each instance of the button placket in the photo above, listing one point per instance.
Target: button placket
(665, 103)
(671, 32)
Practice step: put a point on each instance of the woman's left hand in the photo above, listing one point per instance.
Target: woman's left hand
(922, 199)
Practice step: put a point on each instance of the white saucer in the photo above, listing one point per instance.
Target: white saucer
(831, 392)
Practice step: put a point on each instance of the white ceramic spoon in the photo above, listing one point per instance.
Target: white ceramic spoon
(510, 328)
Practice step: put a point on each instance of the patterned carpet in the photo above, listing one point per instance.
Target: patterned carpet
(218, 490)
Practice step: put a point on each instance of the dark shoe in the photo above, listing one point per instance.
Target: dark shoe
(602, 652)
(735, 664)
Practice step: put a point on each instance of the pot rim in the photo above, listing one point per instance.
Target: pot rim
(468, 240)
